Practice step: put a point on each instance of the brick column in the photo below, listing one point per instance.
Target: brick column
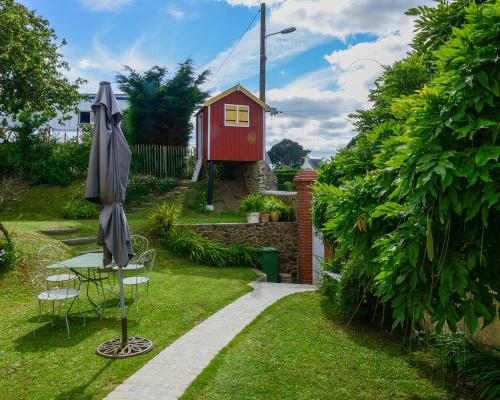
(303, 182)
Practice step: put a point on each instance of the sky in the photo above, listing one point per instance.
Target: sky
(316, 75)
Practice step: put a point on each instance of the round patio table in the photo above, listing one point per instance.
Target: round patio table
(87, 267)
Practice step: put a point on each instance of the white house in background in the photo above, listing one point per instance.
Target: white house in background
(70, 128)
(311, 163)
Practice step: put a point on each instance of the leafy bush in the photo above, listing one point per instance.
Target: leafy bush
(185, 241)
(415, 200)
(273, 204)
(77, 207)
(285, 174)
(288, 186)
(139, 186)
(7, 251)
(472, 363)
(252, 203)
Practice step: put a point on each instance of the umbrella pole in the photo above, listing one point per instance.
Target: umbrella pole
(123, 347)
(123, 310)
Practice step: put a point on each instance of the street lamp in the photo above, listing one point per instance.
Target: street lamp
(263, 37)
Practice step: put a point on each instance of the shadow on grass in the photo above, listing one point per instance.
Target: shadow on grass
(381, 339)
(53, 333)
(79, 391)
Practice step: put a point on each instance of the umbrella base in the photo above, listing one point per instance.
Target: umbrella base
(135, 346)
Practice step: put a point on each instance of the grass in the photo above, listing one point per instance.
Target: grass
(49, 365)
(299, 349)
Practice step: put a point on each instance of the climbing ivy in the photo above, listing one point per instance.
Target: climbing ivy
(417, 197)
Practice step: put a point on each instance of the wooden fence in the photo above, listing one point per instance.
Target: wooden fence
(163, 160)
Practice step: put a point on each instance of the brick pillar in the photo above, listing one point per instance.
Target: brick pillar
(303, 182)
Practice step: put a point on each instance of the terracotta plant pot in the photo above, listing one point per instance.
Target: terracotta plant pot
(275, 216)
(264, 217)
(253, 218)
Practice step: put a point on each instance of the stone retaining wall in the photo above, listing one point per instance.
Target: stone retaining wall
(280, 235)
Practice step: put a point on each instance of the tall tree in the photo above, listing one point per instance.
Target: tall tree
(160, 108)
(31, 67)
(287, 152)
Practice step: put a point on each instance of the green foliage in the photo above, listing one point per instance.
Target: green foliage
(185, 241)
(471, 362)
(415, 200)
(32, 77)
(160, 109)
(287, 153)
(7, 251)
(139, 186)
(273, 204)
(77, 207)
(252, 203)
(202, 201)
(285, 175)
(41, 160)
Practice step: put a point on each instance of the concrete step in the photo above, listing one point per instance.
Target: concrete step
(59, 231)
(77, 241)
(90, 251)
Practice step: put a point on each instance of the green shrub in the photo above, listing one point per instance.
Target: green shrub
(479, 365)
(185, 241)
(288, 186)
(139, 186)
(253, 203)
(163, 218)
(202, 201)
(7, 251)
(77, 207)
(285, 174)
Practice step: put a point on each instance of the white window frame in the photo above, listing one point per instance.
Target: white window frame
(238, 106)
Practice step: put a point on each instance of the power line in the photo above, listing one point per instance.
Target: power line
(232, 50)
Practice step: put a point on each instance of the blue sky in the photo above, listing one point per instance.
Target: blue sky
(316, 75)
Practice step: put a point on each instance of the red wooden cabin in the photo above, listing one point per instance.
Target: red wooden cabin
(230, 127)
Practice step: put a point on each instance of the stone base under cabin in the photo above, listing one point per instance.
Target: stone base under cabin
(258, 176)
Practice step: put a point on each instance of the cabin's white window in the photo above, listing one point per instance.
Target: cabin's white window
(235, 115)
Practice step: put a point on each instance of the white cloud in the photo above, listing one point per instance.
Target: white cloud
(86, 63)
(318, 103)
(175, 12)
(105, 5)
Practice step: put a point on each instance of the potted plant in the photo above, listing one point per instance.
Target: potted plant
(252, 205)
(273, 206)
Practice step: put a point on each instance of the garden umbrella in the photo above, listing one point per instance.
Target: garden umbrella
(107, 176)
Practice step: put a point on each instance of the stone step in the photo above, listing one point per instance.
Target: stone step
(77, 241)
(285, 278)
(59, 231)
(90, 251)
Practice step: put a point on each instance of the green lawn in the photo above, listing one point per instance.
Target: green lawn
(49, 365)
(299, 349)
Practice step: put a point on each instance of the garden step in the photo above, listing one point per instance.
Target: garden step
(77, 241)
(90, 251)
(59, 231)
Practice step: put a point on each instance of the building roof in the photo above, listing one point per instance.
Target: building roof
(311, 163)
(237, 88)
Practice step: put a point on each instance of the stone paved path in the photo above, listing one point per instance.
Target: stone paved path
(170, 373)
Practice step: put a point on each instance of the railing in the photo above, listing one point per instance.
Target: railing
(163, 160)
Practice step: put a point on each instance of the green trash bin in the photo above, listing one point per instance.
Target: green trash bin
(269, 262)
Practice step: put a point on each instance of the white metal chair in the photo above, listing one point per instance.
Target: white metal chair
(50, 255)
(140, 245)
(54, 295)
(147, 259)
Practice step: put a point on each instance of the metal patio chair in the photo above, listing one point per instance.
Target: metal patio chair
(50, 255)
(63, 296)
(147, 260)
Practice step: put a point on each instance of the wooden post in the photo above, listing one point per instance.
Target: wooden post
(210, 190)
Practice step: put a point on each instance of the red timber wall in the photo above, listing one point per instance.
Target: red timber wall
(230, 143)
(304, 181)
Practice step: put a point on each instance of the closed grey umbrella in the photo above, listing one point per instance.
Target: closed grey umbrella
(109, 165)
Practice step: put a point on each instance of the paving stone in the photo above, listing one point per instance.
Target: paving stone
(169, 374)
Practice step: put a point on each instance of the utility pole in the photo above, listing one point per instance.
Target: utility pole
(262, 82)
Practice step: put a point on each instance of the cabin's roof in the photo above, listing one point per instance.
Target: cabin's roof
(237, 88)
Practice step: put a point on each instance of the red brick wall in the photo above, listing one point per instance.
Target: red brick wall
(303, 182)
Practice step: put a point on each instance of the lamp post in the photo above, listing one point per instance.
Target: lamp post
(263, 37)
